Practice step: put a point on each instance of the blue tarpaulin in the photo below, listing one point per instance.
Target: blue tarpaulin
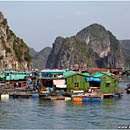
(93, 79)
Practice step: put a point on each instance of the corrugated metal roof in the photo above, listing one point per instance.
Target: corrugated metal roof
(68, 73)
(98, 69)
(53, 71)
(86, 74)
(97, 75)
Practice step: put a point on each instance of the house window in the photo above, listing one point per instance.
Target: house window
(76, 85)
(108, 84)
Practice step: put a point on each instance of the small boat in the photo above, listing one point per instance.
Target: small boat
(128, 88)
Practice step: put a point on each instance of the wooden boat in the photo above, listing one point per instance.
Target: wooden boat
(128, 88)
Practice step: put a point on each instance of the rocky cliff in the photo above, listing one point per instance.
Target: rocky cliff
(14, 53)
(39, 59)
(125, 45)
(93, 46)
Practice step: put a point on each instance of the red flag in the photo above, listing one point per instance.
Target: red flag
(12, 60)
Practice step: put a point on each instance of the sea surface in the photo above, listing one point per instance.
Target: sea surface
(39, 114)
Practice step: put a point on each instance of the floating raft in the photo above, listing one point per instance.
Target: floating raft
(88, 99)
(56, 98)
(112, 94)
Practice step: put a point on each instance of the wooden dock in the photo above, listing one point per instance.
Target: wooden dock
(112, 95)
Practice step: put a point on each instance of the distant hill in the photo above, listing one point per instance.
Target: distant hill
(125, 45)
(32, 51)
(93, 46)
(39, 58)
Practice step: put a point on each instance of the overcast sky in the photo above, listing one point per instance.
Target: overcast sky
(39, 23)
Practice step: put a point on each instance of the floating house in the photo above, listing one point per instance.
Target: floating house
(76, 82)
(73, 81)
(105, 71)
(14, 75)
(107, 84)
(52, 73)
(116, 71)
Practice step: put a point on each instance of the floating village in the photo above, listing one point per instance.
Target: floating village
(80, 84)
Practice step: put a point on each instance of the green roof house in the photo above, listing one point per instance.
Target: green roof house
(106, 83)
(76, 81)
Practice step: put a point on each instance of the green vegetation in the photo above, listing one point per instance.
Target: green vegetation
(18, 52)
(27, 56)
(8, 50)
(4, 22)
(20, 48)
(12, 33)
(23, 45)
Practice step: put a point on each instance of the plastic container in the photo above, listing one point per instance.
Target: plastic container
(85, 99)
(77, 99)
(115, 95)
(5, 96)
(35, 96)
(96, 100)
(67, 98)
(30, 87)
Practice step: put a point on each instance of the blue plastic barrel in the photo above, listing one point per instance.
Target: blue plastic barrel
(51, 90)
(30, 87)
(87, 100)
(96, 99)
(35, 96)
(115, 95)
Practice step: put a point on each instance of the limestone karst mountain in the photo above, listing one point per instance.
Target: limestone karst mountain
(93, 46)
(14, 53)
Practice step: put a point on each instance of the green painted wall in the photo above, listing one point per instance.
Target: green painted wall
(72, 80)
(109, 85)
(15, 76)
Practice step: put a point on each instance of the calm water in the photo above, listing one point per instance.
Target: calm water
(37, 113)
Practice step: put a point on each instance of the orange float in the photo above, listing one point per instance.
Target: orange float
(77, 99)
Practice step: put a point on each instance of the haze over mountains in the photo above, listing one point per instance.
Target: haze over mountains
(39, 59)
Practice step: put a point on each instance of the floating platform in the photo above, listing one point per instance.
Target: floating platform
(54, 98)
(88, 99)
(107, 95)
